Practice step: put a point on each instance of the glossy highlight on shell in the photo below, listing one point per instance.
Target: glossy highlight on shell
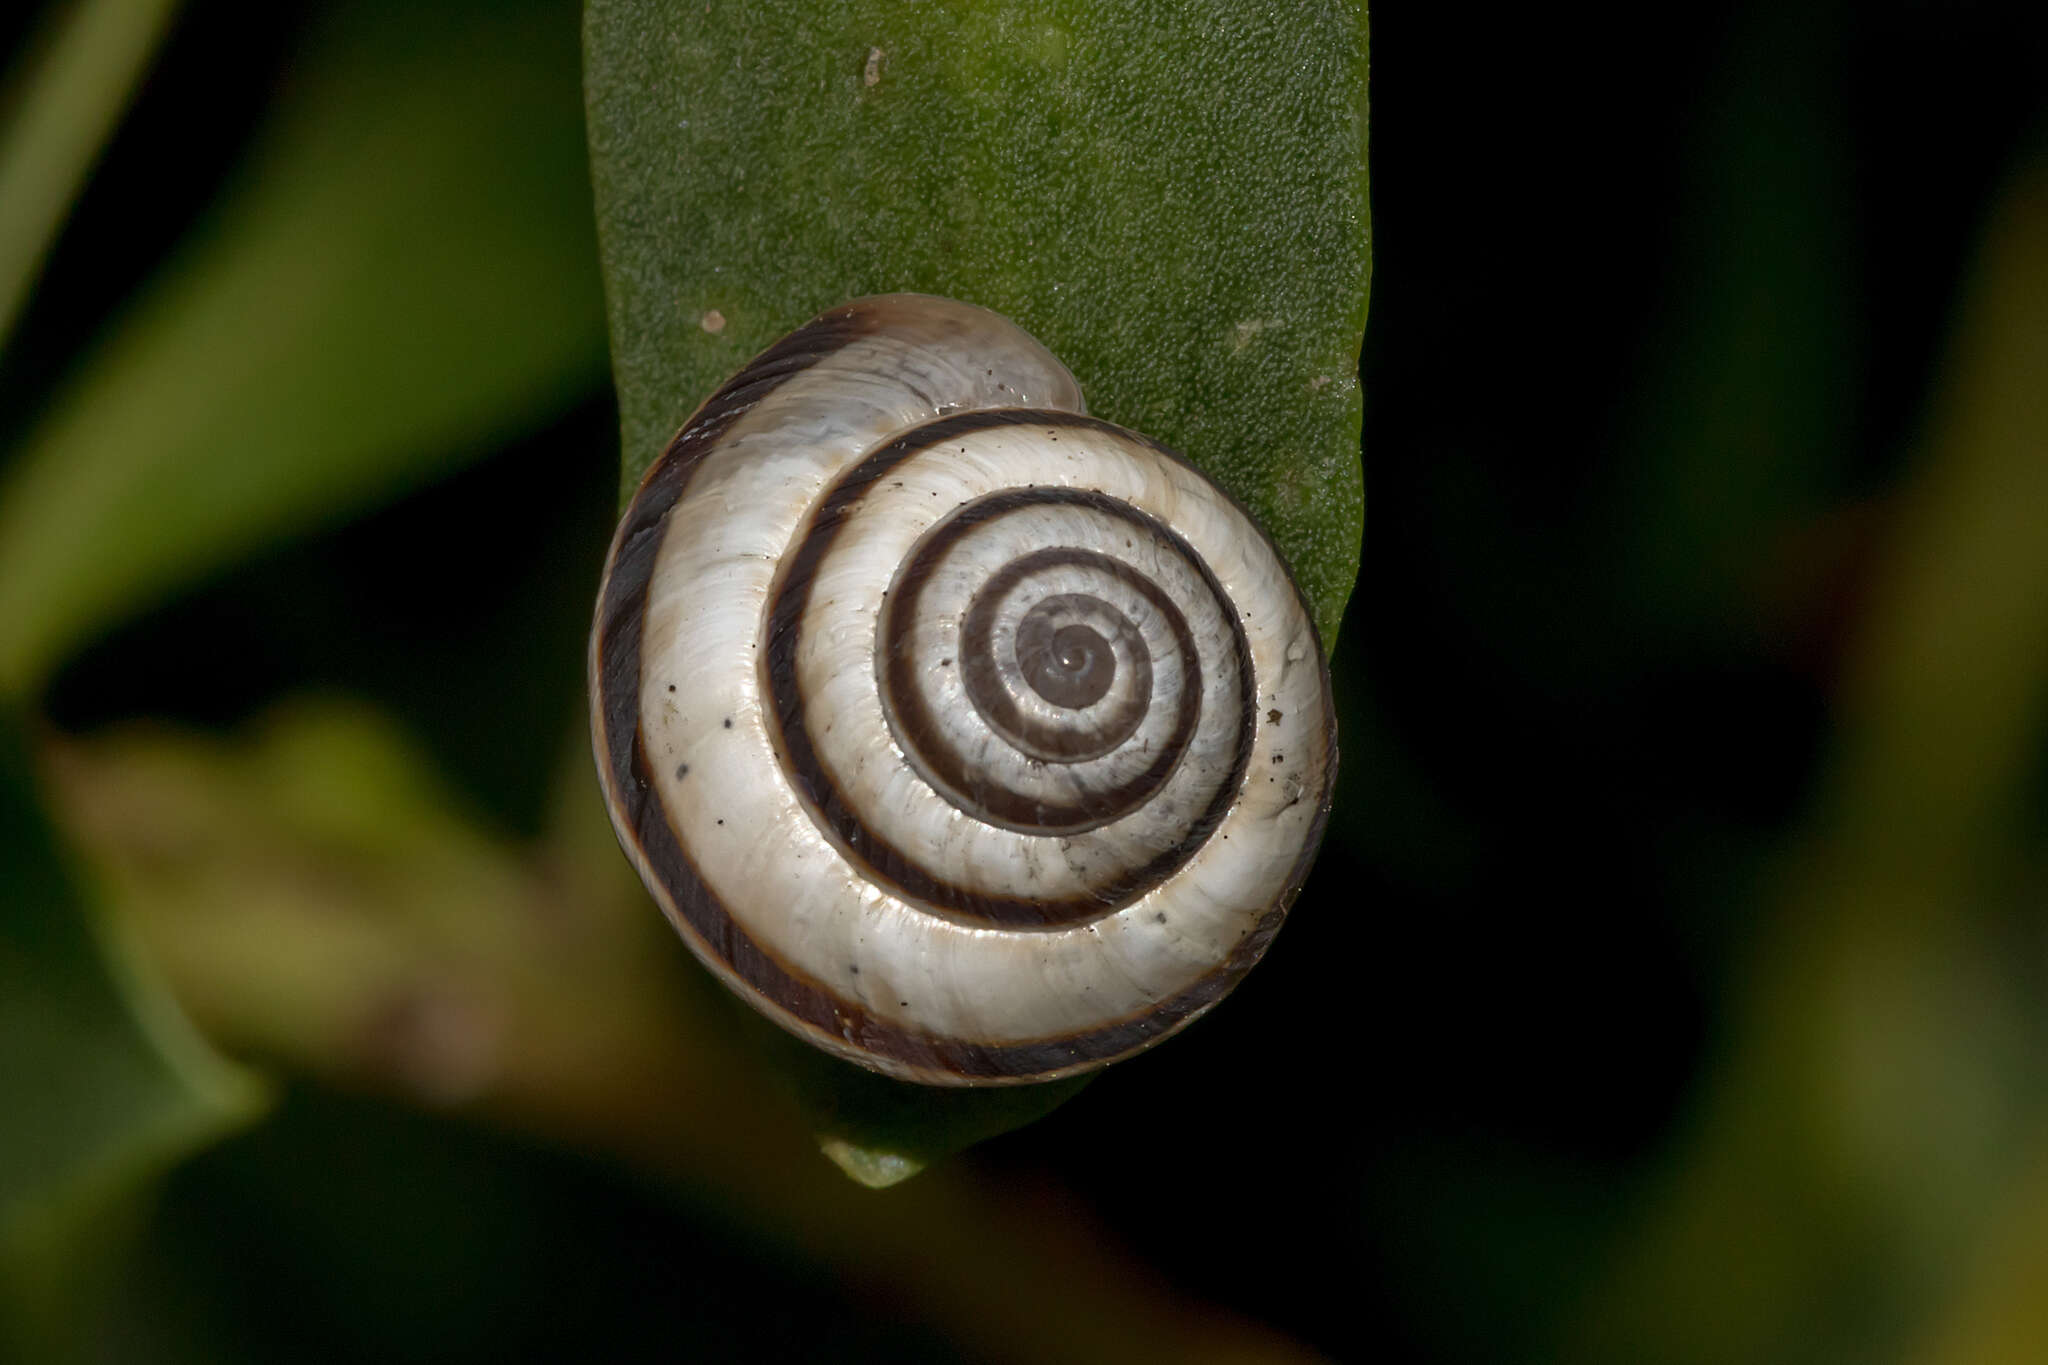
(972, 739)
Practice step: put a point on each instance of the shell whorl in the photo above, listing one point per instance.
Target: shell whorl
(971, 738)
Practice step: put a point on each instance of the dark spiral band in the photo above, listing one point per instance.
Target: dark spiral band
(1070, 650)
(1066, 648)
(958, 776)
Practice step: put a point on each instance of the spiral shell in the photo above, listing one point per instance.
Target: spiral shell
(971, 738)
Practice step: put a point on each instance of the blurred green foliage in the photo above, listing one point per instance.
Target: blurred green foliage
(108, 1086)
(67, 92)
(1672, 987)
(380, 295)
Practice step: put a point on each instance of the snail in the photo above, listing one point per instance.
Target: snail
(973, 739)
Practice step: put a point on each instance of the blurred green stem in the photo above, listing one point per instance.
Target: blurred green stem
(1882, 1083)
(2001, 1316)
(59, 111)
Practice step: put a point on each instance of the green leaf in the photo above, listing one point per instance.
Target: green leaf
(61, 109)
(400, 278)
(1170, 196)
(106, 1085)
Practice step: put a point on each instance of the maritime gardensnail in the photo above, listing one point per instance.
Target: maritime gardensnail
(968, 737)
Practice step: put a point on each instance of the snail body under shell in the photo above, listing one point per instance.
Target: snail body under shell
(970, 738)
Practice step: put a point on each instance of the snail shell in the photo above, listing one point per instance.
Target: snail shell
(970, 738)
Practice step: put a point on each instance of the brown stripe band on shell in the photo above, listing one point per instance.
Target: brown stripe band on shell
(983, 677)
(921, 734)
(880, 861)
(616, 640)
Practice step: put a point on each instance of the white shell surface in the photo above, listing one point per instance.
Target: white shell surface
(716, 754)
(838, 664)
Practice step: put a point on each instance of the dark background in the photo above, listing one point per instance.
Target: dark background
(1659, 306)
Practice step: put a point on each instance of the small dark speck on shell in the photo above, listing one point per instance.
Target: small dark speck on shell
(728, 722)
(1161, 917)
(682, 770)
(671, 687)
(1279, 758)
(851, 968)
(1273, 717)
